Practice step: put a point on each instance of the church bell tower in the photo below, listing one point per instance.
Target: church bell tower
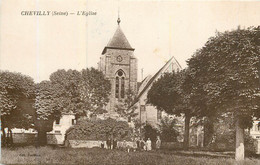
(119, 65)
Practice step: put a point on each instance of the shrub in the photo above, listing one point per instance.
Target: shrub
(99, 130)
(167, 130)
(150, 132)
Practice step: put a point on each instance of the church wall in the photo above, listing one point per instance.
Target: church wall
(133, 74)
(152, 115)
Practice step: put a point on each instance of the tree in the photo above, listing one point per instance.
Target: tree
(94, 91)
(168, 130)
(171, 93)
(46, 108)
(83, 93)
(16, 99)
(68, 95)
(226, 71)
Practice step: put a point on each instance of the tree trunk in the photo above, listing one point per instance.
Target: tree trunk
(240, 149)
(42, 138)
(186, 132)
(4, 136)
(10, 136)
(208, 131)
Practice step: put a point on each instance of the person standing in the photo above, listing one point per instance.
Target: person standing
(149, 145)
(134, 144)
(114, 143)
(124, 145)
(158, 143)
(102, 144)
(138, 144)
(109, 143)
(142, 144)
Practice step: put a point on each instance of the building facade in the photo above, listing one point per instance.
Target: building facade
(119, 65)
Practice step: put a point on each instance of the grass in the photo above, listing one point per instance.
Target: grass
(50, 155)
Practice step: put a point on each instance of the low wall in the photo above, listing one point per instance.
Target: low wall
(30, 138)
(257, 146)
(93, 143)
(20, 138)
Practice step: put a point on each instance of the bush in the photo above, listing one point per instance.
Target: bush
(99, 130)
(168, 131)
(226, 139)
(150, 132)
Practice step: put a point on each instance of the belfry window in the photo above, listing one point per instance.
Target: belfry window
(120, 84)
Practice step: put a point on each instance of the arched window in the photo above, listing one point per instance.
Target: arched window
(117, 87)
(122, 87)
(120, 84)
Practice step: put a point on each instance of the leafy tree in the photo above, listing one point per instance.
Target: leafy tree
(94, 91)
(83, 93)
(168, 130)
(171, 93)
(16, 99)
(46, 108)
(226, 74)
(68, 95)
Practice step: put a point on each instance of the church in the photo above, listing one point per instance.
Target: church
(119, 64)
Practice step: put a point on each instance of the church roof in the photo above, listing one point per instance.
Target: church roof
(157, 75)
(118, 41)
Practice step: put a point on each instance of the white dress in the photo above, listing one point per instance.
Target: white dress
(149, 145)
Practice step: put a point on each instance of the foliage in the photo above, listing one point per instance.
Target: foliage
(99, 130)
(16, 99)
(224, 133)
(150, 132)
(123, 105)
(172, 94)
(82, 93)
(46, 108)
(226, 75)
(168, 131)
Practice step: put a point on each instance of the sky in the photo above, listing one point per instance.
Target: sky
(40, 45)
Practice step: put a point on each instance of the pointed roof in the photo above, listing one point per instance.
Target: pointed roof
(118, 41)
(156, 76)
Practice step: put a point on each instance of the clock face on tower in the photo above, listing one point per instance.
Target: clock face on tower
(119, 58)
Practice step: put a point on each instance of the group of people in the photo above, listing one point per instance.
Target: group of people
(147, 145)
(111, 144)
(137, 145)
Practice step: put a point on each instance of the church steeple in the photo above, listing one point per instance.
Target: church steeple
(118, 41)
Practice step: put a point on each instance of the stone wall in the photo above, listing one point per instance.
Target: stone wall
(94, 143)
(30, 138)
(21, 138)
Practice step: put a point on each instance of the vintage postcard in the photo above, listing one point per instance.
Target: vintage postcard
(129, 82)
